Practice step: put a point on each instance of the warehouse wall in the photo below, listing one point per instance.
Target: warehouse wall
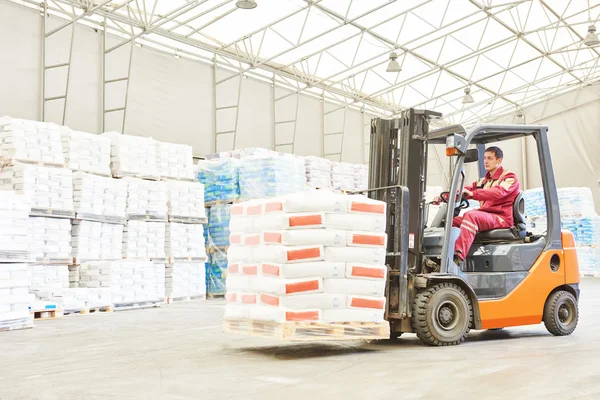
(167, 98)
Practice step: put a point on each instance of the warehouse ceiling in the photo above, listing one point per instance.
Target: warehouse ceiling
(507, 53)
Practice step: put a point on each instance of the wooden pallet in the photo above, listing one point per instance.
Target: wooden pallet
(308, 331)
(16, 327)
(172, 260)
(136, 305)
(15, 257)
(217, 249)
(188, 220)
(168, 179)
(147, 217)
(14, 161)
(100, 218)
(221, 202)
(590, 275)
(171, 300)
(89, 310)
(55, 261)
(139, 176)
(49, 212)
(215, 296)
(40, 315)
(79, 261)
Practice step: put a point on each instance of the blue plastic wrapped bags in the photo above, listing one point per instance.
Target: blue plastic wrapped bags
(220, 179)
(270, 176)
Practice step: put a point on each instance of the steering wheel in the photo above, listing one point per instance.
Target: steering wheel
(464, 203)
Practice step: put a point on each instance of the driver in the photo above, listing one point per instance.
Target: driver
(496, 193)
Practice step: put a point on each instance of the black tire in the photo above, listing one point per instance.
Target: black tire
(561, 313)
(442, 315)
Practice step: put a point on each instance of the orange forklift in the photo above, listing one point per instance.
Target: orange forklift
(510, 277)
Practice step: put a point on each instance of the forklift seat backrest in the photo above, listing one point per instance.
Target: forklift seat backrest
(517, 232)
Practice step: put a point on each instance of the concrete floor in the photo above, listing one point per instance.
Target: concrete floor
(178, 352)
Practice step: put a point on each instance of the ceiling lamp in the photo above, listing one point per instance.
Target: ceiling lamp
(246, 4)
(467, 98)
(591, 39)
(520, 116)
(393, 65)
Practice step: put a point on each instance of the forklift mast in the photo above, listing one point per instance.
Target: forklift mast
(397, 175)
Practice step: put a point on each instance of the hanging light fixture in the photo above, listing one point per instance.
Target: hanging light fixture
(246, 4)
(393, 65)
(591, 39)
(520, 116)
(467, 98)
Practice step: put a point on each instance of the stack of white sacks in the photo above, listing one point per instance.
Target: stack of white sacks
(312, 256)
(50, 239)
(342, 175)
(93, 240)
(144, 240)
(99, 198)
(48, 281)
(186, 201)
(318, 172)
(14, 253)
(133, 155)
(175, 161)
(86, 152)
(361, 177)
(30, 141)
(146, 199)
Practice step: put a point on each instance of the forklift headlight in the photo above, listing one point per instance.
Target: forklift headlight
(455, 144)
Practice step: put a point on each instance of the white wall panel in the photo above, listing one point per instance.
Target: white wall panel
(309, 128)
(255, 120)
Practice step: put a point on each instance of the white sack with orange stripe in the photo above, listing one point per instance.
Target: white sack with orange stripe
(312, 256)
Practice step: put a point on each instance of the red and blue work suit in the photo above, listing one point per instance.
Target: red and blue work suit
(496, 195)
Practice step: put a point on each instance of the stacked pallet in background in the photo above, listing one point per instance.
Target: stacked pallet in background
(342, 176)
(577, 215)
(271, 175)
(361, 177)
(14, 255)
(309, 266)
(318, 172)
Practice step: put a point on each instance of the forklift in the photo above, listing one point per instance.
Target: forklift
(510, 276)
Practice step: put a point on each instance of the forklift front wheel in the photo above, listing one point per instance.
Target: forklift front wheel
(442, 315)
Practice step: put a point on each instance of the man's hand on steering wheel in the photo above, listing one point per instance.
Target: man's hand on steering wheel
(468, 193)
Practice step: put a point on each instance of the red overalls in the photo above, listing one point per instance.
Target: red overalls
(496, 195)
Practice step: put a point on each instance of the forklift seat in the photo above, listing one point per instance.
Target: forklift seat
(517, 232)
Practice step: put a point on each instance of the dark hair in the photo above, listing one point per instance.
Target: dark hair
(496, 150)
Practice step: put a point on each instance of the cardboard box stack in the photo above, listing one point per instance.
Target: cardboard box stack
(309, 257)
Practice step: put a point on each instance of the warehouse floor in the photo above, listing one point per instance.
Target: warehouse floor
(179, 352)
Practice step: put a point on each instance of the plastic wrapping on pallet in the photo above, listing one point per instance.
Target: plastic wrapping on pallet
(46, 187)
(175, 161)
(96, 240)
(361, 177)
(14, 226)
(144, 240)
(220, 179)
(48, 281)
(586, 230)
(86, 152)
(185, 279)
(330, 287)
(185, 241)
(14, 297)
(318, 172)
(129, 281)
(146, 198)
(186, 199)
(589, 260)
(342, 175)
(218, 225)
(216, 270)
(133, 155)
(271, 176)
(50, 239)
(572, 201)
(30, 141)
(99, 197)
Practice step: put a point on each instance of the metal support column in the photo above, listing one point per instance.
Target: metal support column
(285, 123)
(231, 101)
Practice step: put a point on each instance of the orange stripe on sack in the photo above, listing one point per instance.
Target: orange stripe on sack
(252, 240)
(235, 238)
(302, 316)
(272, 237)
(368, 239)
(312, 252)
(250, 269)
(273, 206)
(268, 269)
(269, 300)
(306, 220)
(233, 268)
(368, 272)
(298, 287)
(249, 299)
(231, 297)
(368, 208)
(254, 210)
(367, 303)
(236, 210)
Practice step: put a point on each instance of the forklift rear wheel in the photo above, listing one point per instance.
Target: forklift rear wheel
(561, 313)
(442, 315)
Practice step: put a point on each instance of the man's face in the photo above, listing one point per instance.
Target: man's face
(490, 161)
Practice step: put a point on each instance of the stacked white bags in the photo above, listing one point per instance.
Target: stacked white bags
(50, 239)
(342, 175)
(83, 298)
(313, 256)
(144, 240)
(133, 155)
(129, 281)
(361, 177)
(185, 279)
(146, 198)
(99, 198)
(175, 161)
(185, 200)
(23, 140)
(48, 281)
(47, 187)
(86, 152)
(318, 172)
(96, 241)
(185, 241)
(14, 227)
(14, 297)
